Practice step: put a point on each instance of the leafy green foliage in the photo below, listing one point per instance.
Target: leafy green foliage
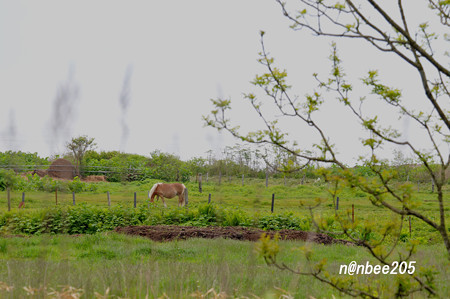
(85, 219)
(120, 167)
(22, 161)
(8, 179)
(78, 147)
(168, 167)
(284, 221)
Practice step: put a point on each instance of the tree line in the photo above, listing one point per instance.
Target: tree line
(236, 161)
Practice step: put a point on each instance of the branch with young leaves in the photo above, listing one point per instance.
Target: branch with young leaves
(414, 48)
(273, 83)
(381, 192)
(338, 84)
(377, 248)
(353, 20)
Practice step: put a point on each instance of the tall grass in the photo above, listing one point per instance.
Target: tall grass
(134, 267)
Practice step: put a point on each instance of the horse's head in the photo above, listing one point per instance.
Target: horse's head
(152, 191)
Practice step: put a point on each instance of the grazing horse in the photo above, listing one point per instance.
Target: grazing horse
(169, 191)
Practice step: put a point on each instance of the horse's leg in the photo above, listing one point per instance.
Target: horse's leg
(162, 198)
(180, 200)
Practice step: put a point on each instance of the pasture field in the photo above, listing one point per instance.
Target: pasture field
(253, 200)
(134, 267)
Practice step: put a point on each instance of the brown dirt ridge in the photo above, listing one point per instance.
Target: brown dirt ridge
(175, 232)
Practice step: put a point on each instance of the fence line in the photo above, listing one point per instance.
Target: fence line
(135, 202)
(89, 169)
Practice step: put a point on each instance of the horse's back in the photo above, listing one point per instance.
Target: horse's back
(170, 190)
(178, 187)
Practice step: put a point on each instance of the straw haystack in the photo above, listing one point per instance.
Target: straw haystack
(62, 169)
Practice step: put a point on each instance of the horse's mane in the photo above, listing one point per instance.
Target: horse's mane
(150, 193)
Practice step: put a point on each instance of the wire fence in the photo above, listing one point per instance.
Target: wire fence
(83, 169)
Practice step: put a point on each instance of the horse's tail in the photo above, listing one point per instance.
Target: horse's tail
(185, 193)
(150, 193)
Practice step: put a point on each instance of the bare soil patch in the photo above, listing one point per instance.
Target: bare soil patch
(175, 232)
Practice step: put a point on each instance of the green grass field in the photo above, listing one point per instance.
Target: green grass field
(133, 267)
(254, 199)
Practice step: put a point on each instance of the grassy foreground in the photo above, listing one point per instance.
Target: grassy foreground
(133, 267)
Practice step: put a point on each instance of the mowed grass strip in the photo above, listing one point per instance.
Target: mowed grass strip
(135, 267)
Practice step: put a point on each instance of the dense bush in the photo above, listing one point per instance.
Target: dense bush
(78, 186)
(21, 161)
(7, 179)
(119, 167)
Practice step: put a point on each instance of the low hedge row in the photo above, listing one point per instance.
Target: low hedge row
(84, 219)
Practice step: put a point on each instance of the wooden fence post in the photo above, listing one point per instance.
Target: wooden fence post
(242, 180)
(209, 198)
(73, 197)
(207, 177)
(22, 203)
(273, 202)
(200, 182)
(337, 203)
(109, 199)
(134, 199)
(9, 198)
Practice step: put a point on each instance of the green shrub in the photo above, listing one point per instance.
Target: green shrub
(78, 186)
(84, 219)
(208, 212)
(7, 179)
(235, 217)
(284, 221)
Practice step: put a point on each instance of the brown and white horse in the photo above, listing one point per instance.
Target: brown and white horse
(168, 191)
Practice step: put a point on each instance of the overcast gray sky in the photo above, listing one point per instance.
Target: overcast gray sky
(174, 56)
